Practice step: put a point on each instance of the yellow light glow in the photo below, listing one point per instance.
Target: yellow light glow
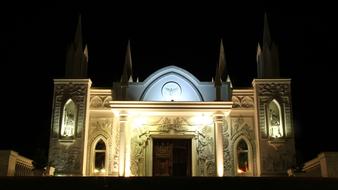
(96, 171)
(219, 161)
(203, 120)
(103, 170)
(239, 171)
(127, 167)
(139, 121)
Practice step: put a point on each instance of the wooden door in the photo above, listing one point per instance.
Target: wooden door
(171, 157)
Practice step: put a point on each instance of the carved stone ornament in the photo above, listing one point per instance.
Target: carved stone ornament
(227, 161)
(242, 102)
(138, 143)
(70, 89)
(205, 151)
(103, 125)
(273, 89)
(106, 101)
(173, 125)
(240, 126)
(167, 125)
(96, 102)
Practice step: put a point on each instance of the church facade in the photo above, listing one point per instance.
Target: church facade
(172, 124)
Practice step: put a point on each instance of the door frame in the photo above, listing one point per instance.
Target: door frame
(149, 151)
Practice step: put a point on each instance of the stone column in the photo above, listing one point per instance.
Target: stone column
(123, 121)
(218, 123)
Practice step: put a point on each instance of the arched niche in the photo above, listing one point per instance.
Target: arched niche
(275, 124)
(69, 118)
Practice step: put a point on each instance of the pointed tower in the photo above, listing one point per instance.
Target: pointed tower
(267, 58)
(220, 69)
(219, 75)
(127, 68)
(273, 112)
(76, 62)
(127, 76)
(67, 145)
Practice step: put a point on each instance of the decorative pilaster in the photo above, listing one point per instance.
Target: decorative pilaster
(123, 121)
(219, 121)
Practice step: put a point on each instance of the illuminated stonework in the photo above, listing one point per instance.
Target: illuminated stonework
(275, 120)
(172, 124)
(170, 121)
(68, 119)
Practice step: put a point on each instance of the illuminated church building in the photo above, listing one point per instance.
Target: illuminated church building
(172, 124)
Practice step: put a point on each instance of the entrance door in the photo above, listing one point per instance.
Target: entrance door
(172, 157)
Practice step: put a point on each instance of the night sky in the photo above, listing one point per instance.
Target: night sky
(35, 39)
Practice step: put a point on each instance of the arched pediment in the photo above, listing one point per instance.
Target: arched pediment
(171, 84)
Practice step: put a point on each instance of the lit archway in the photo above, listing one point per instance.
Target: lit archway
(243, 157)
(69, 117)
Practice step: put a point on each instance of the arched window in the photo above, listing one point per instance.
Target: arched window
(100, 158)
(275, 120)
(242, 157)
(69, 116)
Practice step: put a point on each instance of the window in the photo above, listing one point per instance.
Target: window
(242, 157)
(69, 116)
(275, 120)
(100, 158)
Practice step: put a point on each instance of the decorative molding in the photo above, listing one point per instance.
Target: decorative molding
(243, 101)
(95, 102)
(70, 89)
(172, 125)
(100, 102)
(203, 137)
(106, 101)
(247, 102)
(273, 89)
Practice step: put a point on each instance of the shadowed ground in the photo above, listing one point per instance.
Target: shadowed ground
(148, 183)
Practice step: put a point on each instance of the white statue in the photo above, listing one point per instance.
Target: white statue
(68, 125)
(274, 124)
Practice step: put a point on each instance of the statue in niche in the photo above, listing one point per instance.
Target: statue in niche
(69, 117)
(274, 124)
(69, 124)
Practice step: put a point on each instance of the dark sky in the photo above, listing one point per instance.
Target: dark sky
(34, 41)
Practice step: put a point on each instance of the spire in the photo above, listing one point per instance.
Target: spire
(127, 69)
(266, 33)
(78, 33)
(221, 65)
(76, 57)
(267, 57)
